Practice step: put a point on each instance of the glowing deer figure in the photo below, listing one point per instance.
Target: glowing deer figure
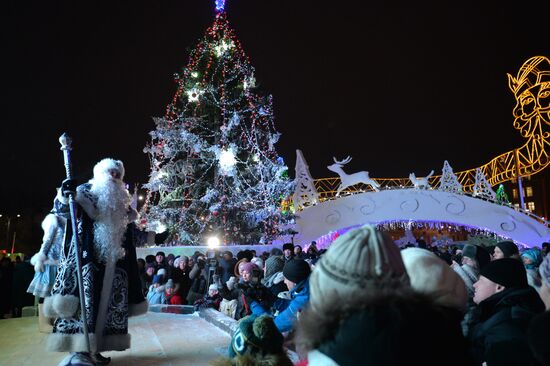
(348, 180)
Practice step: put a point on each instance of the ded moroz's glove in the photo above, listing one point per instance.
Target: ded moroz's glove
(68, 187)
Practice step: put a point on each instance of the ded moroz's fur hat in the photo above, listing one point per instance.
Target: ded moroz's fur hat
(104, 165)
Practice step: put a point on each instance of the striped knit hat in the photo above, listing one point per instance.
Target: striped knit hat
(356, 261)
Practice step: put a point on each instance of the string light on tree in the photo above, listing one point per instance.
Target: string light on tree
(223, 47)
(249, 82)
(227, 161)
(194, 94)
(216, 148)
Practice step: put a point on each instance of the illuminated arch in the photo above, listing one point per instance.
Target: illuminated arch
(531, 88)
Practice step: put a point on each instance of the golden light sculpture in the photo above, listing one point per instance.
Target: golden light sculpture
(531, 88)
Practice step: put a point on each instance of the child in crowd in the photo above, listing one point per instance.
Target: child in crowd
(211, 300)
(171, 297)
(156, 292)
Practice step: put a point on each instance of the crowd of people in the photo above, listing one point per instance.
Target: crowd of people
(367, 301)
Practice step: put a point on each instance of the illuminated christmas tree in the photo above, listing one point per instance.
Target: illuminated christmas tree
(501, 196)
(214, 167)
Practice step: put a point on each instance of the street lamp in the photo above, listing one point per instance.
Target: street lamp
(8, 225)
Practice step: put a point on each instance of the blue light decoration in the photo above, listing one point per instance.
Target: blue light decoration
(220, 5)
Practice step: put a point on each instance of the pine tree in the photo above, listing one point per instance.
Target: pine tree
(214, 167)
(482, 188)
(449, 182)
(501, 196)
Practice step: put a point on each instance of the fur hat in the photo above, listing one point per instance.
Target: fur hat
(355, 261)
(432, 276)
(534, 255)
(296, 270)
(508, 248)
(273, 265)
(544, 270)
(288, 246)
(161, 272)
(256, 335)
(507, 272)
(477, 253)
(104, 165)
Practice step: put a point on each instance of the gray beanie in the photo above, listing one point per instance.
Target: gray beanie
(273, 264)
(355, 262)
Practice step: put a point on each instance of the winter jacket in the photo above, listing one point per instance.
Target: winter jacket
(155, 296)
(183, 282)
(228, 267)
(174, 299)
(198, 284)
(243, 304)
(382, 328)
(500, 336)
(286, 318)
(539, 337)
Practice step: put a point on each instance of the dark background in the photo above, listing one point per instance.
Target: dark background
(400, 88)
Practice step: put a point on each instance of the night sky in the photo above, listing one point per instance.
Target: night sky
(400, 88)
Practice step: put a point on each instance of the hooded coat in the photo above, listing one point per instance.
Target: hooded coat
(385, 327)
(111, 285)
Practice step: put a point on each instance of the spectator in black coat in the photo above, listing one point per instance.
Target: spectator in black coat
(506, 306)
(227, 263)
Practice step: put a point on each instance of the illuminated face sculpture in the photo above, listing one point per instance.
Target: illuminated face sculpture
(531, 88)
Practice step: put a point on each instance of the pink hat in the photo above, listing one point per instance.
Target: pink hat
(248, 267)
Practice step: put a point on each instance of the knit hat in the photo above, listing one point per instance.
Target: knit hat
(477, 253)
(161, 272)
(288, 246)
(169, 283)
(544, 270)
(248, 267)
(276, 251)
(358, 259)
(256, 335)
(296, 270)
(507, 272)
(508, 248)
(432, 276)
(213, 287)
(273, 265)
(157, 279)
(258, 262)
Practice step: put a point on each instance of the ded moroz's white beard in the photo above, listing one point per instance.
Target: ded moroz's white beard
(112, 217)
